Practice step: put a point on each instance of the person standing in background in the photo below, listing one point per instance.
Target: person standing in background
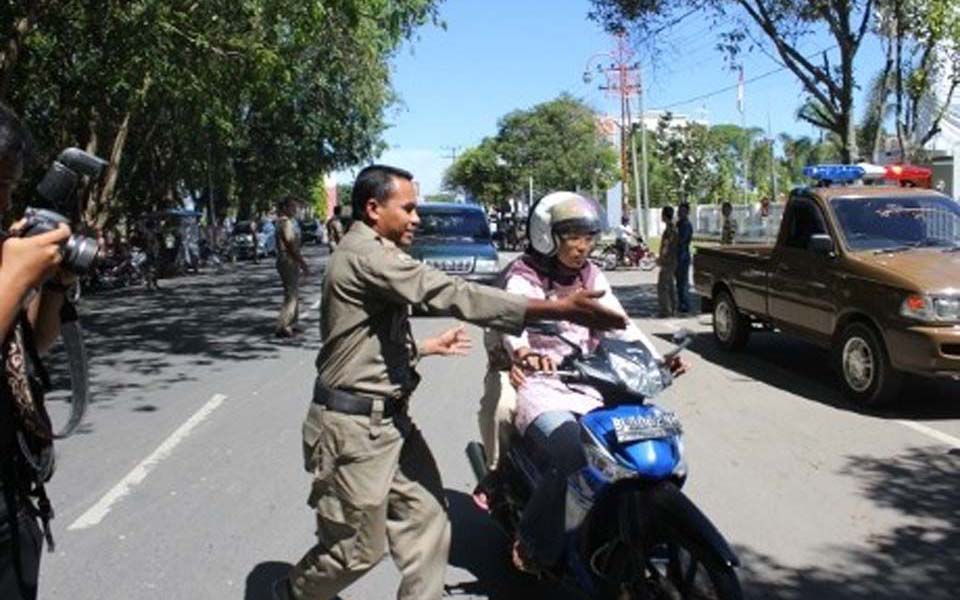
(684, 238)
(667, 260)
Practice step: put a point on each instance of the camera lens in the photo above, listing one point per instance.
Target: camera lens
(79, 253)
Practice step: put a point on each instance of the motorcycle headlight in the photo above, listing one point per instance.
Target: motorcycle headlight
(637, 377)
(931, 308)
(601, 460)
(486, 265)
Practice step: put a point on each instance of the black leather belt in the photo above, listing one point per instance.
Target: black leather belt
(352, 404)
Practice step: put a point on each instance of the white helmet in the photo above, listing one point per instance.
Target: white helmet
(561, 212)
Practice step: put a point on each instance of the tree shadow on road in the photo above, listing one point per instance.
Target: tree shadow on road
(139, 340)
(259, 584)
(920, 559)
(480, 547)
(804, 369)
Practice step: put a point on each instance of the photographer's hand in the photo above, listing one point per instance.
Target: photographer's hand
(24, 264)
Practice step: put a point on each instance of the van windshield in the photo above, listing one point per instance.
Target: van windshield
(453, 224)
(898, 222)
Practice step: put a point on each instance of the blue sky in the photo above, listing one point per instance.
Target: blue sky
(496, 56)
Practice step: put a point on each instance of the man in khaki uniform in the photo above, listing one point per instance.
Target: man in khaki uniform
(375, 482)
(290, 263)
(666, 286)
(334, 228)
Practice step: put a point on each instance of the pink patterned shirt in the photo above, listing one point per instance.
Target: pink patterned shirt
(545, 393)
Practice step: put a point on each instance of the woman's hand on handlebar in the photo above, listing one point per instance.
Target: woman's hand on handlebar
(525, 361)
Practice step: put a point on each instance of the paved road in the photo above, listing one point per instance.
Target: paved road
(187, 480)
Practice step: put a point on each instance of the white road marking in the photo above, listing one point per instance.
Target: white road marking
(932, 433)
(315, 305)
(98, 511)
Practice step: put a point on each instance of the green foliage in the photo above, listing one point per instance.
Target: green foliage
(441, 197)
(920, 39)
(783, 27)
(343, 194)
(481, 173)
(259, 97)
(557, 143)
(318, 197)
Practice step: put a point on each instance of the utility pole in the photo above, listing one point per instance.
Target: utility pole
(452, 152)
(624, 80)
(773, 162)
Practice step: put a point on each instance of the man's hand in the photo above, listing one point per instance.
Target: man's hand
(28, 261)
(581, 307)
(453, 342)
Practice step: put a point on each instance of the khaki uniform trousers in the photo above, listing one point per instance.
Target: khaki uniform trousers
(374, 485)
(290, 278)
(495, 418)
(667, 290)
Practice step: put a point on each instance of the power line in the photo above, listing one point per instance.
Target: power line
(734, 86)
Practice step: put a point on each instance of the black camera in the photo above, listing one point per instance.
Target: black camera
(57, 188)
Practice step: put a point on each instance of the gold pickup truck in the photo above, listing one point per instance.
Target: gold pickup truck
(870, 272)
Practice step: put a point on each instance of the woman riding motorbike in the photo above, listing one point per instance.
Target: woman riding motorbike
(562, 231)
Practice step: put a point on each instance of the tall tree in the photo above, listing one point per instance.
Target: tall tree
(785, 25)
(256, 99)
(922, 42)
(557, 143)
(684, 150)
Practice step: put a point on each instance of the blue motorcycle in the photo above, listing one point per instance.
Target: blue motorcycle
(631, 532)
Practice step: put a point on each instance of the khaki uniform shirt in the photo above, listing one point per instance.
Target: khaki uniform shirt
(729, 231)
(286, 230)
(668, 246)
(368, 347)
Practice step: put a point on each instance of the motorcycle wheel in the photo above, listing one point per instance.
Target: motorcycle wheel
(609, 259)
(676, 560)
(648, 262)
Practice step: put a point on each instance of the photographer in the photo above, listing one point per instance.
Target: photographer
(29, 324)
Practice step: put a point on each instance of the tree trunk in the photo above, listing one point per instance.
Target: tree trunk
(850, 153)
(86, 195)
(11, 53)
(113, 170)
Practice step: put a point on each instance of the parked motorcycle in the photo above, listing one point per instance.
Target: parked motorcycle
(119, 271)
(632, 533)
(605, 256)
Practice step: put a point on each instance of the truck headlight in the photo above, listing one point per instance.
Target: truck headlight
(486, 265)
(931, 308)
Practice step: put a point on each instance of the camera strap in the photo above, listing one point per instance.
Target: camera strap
(72, 335)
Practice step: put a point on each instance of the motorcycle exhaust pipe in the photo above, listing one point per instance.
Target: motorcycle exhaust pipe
(478, 460)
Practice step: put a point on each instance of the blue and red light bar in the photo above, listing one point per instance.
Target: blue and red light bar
(834, 173)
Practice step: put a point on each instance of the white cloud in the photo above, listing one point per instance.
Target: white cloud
(426, 165)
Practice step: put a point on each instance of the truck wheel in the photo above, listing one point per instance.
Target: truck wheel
(866, 375)
(731, 328)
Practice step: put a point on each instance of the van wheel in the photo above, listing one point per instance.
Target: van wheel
(731, 328)
(866, 375)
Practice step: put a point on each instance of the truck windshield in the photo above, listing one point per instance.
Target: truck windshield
(453, 224)
(899, 222)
